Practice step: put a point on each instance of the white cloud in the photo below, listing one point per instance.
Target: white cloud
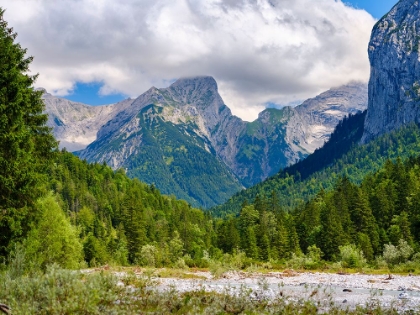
(258, 51)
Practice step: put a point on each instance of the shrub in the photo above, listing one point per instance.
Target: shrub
(148, 255)
(351, 257)
(397, 254)
(59, 291)
(175, 248)
(311, 260)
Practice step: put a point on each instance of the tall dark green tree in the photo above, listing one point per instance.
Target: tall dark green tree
(26, 143)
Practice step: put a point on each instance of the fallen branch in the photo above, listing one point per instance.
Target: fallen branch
(5, 309)
(390, 277)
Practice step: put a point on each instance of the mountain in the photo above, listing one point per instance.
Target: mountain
(163, 138)
(394, 86)
(293, 186)
(75, 124)
(281, 137)
(186, 141)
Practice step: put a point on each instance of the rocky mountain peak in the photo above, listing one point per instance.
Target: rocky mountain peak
(394, 85)
(197, 83)
(201, 90)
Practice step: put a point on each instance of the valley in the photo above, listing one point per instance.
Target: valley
(169, 203)
(147, 136)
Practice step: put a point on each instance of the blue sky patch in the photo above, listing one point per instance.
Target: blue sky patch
(88, 93)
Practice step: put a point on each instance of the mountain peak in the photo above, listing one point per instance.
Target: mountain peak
(196, 83)
(200, 90)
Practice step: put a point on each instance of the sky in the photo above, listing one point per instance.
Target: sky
(261, 52)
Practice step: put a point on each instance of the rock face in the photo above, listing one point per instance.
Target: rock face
(394, 86)
(74, 124)
(280, 137)
(186, 141)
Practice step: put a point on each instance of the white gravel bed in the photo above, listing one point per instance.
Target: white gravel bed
(347, 290)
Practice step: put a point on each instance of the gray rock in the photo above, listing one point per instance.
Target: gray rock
(394, 86)
(74, 124)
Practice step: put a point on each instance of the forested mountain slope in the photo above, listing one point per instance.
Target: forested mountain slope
(292, 189)
(117, 216)
(381, 216)
(186, 141)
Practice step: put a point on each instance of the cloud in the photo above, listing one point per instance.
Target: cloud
(259, 51)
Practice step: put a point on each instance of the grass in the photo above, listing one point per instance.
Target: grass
(177, 273)
(58, 291)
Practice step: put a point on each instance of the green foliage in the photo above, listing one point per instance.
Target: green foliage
(148, 255)
(351, 257)
(338, 158)
(60, 291)
(397, 254)
(175, 248)
(25, 141)
(118, 218)
(312, 260)
(384, 208)
(95, 252)
(175, 159)
(53, 239)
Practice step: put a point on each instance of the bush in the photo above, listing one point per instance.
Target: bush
(59, 291)
(312, 260)
(394, 255)
(351, 257)
(176, 247)
(148, 255)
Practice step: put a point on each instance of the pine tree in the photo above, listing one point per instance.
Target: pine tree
(332, 234)
(26, 143)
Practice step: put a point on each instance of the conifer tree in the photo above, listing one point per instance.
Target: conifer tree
(332, 234)
(26, 143)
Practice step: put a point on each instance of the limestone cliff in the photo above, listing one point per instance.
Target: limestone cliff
(394, 86)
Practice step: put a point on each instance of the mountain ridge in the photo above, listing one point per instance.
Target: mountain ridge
(245, 152)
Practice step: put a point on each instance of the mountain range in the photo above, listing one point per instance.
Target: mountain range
(185, 140)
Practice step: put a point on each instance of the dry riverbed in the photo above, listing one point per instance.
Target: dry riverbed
(340, 289)
(347, 290)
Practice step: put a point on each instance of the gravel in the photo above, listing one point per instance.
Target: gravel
(344, 290)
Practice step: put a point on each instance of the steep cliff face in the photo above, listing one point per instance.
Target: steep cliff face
(394, 86)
